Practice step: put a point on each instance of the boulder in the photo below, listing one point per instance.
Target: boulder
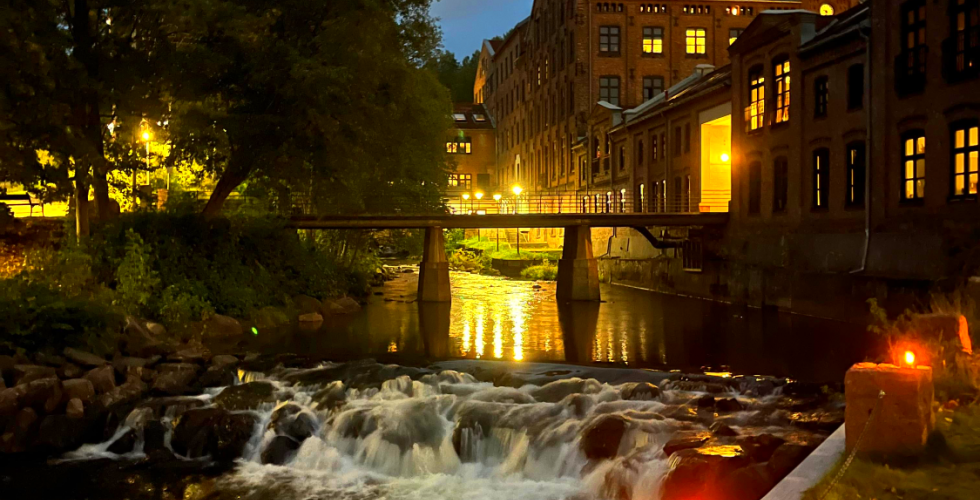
(69, 370)
(78, 388)
(20, 432)
(190, 354)
(10, 400)
(223, 360)
(121, 396)
(6, 365)
(786, 458)
(558, 390)
(175, 405)
(343, 305)
(307, 305)
(177, 367)
(213, 431)
(761, 447)
(686, 441)
(82, 358)
(722, 429)
(311, 318)
(333, 396)
(43, 395)
(154, 436)
(25, 374)
(246, 396)
(706, 402)
(61, 433)
(49, 359)
(728, 405)
(748, 483)
(220, 326)
(103, 379)
(280, 450)
(600, 439)
(125, 443)
(818, 420)
(698, 474)
(140, 342)
(75, 408)
(640, 390)
(175, 380)
(216, 376)
(156, 329)
(294, 421)
(123, 363)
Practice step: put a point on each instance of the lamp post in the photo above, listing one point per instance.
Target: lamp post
(517, 189)
(496, 197)
(145, 136)
(479, 231)
(466, 197)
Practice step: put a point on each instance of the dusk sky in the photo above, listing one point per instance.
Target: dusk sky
(466, 23)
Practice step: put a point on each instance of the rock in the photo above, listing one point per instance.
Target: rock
(140, 342)
(6, 365)
(333, 396)
(124, 444)
(270, 317)
(343, 305)
(191, 354)
(43, 395)
(25, 374)
(307, 305)
(705, 402)
(695, 474)
(818, 420)
(154, 436)
(280, 450)
(82, 358)
(223, 360)
(10, 400)
(214, 432)
(292, 420)
(600, 440)
(20, 432)
(786, 458)
(78, 388)
(103, 379)
(70, 370)
(760, 448)
(748, 483)
(123, 363)
(3, 385)
(177, 367)
(558, 390)
(156, 329)
(61, 433)
(246, 396)
(175, 380)
(686, 441)
(75, 408)
(310, 318)
(728, 405)
(216, 376)
(174, 405)
(123, 395)
(49, 359)
(219, 326)
(722, 429)
(641, 390)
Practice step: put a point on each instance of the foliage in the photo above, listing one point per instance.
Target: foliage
(136, 280)
(463, 259)
(455, 238)
(546, 271)
(458, 77)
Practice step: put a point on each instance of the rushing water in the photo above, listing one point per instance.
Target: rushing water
(495, 318)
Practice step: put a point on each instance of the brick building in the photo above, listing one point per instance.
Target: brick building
(472, 144)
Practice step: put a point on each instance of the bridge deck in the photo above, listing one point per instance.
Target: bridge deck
(508, 220)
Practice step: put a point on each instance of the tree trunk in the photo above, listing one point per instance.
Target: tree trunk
(81, 206)
(237, 172)
(100, 185)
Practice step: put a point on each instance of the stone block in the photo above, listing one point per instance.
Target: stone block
(904, 416)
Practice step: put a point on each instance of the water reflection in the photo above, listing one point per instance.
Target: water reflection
(499, 319)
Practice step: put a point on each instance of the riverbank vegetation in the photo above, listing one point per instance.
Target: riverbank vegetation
(545, 271)
(477, 255)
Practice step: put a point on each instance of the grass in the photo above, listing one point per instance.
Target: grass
(949, 468)
(507, 252)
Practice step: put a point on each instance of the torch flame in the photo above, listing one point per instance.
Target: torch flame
(909, 358)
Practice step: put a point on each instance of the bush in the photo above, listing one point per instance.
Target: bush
(546, 271)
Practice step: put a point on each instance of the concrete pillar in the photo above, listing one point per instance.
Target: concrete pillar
(434, 269)
(578, 272)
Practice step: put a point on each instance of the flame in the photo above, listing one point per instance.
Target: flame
(909, 358)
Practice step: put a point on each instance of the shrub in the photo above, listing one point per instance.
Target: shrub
(546, 271)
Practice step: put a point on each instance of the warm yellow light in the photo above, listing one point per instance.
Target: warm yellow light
(496, 197)
(146, 136)
(466, 196)
(479, 195)
(826, 10)
(725, 158)
(909, 358)
(517, 189)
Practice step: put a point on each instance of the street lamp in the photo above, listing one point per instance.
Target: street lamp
(517, 189)
(145, 136)
(496, 198)
(466, 197)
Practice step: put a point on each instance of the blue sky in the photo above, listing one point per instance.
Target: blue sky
(466, 23)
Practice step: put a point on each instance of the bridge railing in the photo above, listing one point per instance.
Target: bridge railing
(591, 202)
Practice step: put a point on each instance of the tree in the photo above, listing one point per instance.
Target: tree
(458, 77)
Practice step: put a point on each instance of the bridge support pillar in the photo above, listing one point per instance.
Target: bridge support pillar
(578, 272)
(434, 269)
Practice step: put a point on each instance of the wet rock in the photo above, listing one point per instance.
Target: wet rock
(696, 386)
(761, 447)
(122, 396)
(59, 433)
(294, 421)
(748, 483)
(728, 405)
(10, 400)
(175, 405)
(686, 441)
(43, 395)
(280, 450)
(190, 354)
(214, 432)
(219, 326)
(786, 458)
(503, 395)
(82, 358)
(558, 390)
(600, 440)
(103, 379)
(467, 433)
(49, 359)
(176, 367)
(640, 390)
(3, 385)
(140, 342)
(246, 396)
(154, 437)
(694, 474)
(722, 429)
(123, 363)
(706, 402)
(78, 388)
(578, 404)
(818, 420)
(20, 432)
(75, 408)
(310, 318)
(70, 370)
(217, 377)
(125, 443)
(333, 396)
(25, 374)
(343, 305)
(156, 329)
(224, 360)
(307, 305)
(175, 381)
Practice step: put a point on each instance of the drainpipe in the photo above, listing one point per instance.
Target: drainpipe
(867, 154)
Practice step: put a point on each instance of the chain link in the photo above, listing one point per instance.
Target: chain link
(857, 446)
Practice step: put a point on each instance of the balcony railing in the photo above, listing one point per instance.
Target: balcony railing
(961, 55)
(910, 70)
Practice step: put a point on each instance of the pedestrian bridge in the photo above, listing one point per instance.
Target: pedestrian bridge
(578, 271)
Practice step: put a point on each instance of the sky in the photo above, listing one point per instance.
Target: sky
(466, 23)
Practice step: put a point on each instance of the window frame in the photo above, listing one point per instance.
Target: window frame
(820, 189)
(653, 79)
(780, 185)
(857, 174)
(655, 35)
(821, 96)
(700, 50)
(971, 131)
(612, 34)
(781, 72)
(755, 112)
(914, 157)
(733, 34)
(609, 88)
(755, 188)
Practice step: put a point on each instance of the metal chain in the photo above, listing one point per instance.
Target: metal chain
(857, 446)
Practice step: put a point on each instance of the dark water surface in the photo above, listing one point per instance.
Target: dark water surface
(494, 318)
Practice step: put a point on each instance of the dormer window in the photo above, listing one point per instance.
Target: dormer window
(459, 117)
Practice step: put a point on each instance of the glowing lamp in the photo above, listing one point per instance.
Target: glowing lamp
(496, 197)
(146, 136)
(466, 196)
(517, 189)
(725, 158)
(479, 195)
(909, 358)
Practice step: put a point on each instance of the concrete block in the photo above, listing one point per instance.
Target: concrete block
(904, 417)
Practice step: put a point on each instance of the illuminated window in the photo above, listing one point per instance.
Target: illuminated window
(609, 40)
(460, 145)
(653, 41)
(697, 42)
(479, 118)
(966, 155)
(459, 117)
(733, 34)
(652, 87)
(821, 178)
(912, 59)
(826, 10)
(609, 90)
(756, 111)
(855, 174)
(781, 82)
(965, 40)
(914, 165)
(463, 181)
(821, 96)
(641, 206)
